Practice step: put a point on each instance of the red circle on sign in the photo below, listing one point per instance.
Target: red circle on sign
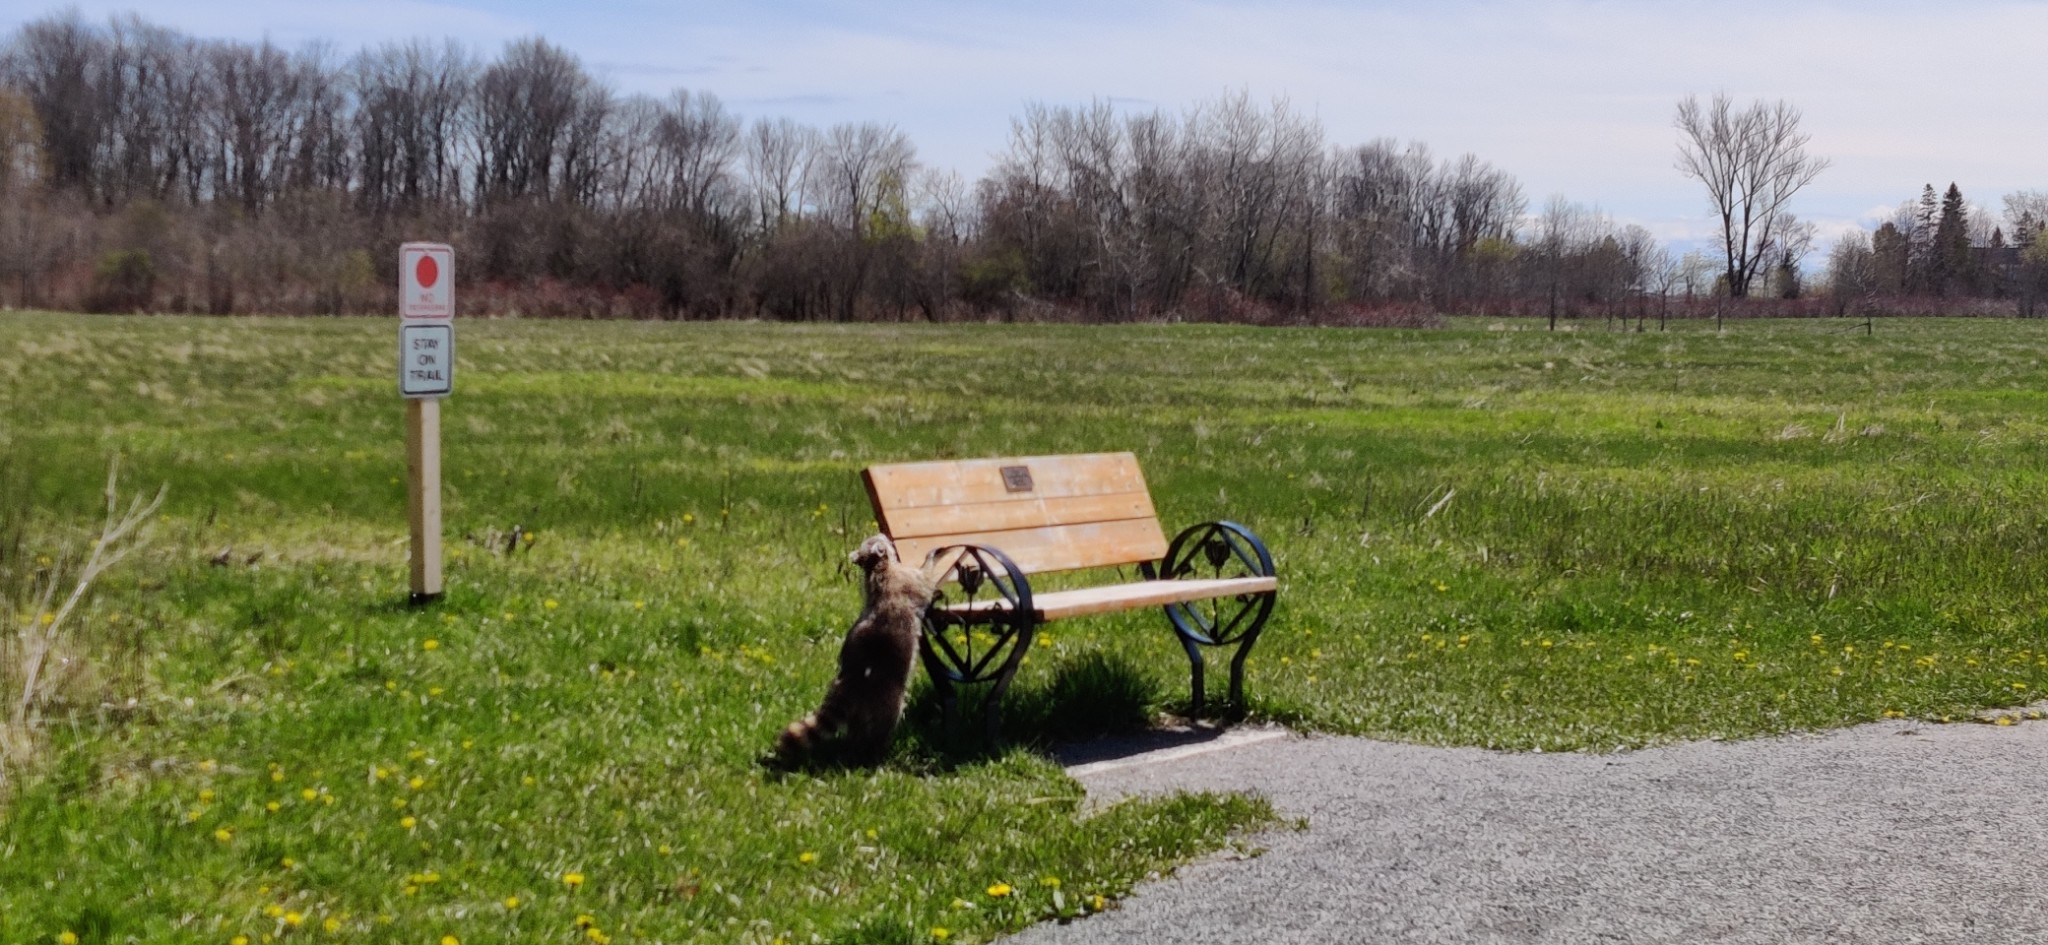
(427, 272)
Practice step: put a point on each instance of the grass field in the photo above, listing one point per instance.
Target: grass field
(1488, 535)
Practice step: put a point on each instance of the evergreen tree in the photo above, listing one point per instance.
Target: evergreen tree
(1953, 271)
(1888, 252)
(2023, 230)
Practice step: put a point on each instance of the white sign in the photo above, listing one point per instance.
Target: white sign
(426, 282)
(426, 360)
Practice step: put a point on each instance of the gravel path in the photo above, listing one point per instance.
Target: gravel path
(1895, 832)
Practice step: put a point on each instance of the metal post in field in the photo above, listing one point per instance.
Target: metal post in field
(423, 494)
(426, 373)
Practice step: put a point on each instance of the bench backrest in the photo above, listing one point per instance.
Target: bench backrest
(1047, 513)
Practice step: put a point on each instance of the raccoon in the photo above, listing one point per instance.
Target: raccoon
(866, 699)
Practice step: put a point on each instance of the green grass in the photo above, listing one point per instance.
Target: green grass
(1647, 537)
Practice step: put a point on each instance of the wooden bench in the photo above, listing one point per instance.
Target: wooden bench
(987, 525)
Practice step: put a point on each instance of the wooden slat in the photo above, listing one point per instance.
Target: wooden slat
(1096, 600)
(975, 481)
(1015, 514)
(1058, 547)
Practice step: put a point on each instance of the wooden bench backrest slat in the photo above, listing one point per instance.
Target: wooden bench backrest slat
(1048, 513)
(1009, 516)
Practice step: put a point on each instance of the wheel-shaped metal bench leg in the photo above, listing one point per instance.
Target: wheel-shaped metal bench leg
(977, 630)
(942, 681)
(1244, 650)
(992, 705)
(1196, 685)
(1217, 550)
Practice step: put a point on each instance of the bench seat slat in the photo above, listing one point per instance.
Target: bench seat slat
(1056, 547)
(1095, 600)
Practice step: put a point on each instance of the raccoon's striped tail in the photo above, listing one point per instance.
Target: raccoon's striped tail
(801, 738)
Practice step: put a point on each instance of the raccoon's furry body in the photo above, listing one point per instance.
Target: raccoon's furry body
(866, 698)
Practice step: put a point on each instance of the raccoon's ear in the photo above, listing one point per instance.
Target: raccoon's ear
(875, 550)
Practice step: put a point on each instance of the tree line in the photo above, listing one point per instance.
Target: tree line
(145, 170)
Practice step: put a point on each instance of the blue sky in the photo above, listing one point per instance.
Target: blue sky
(1573, 97)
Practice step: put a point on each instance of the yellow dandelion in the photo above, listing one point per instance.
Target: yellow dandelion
(67, 937)
(293, 920)
(639, 605)
(527, 537)
(586, 921)
(664, 850)
(430, 644)
(511, 902)
(273, 807)
(48, 618)
(408, 822)
(398, 803)
(999, 890)
(239, 940)
(287, 862)
(1049, 882)
(309, 794)
(277, 774)
(1096, 903)
(940, 933)
(224, 834)
(572, 880)
(550, 603)
(597, 936)
(450, 940)
(807, 857)
(527, 780)
(274, 911)
(206, 796)
(2005, 720)
(332, 925)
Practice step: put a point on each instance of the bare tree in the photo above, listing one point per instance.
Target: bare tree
(1852, 272)
(1662, 270)
(1696, 274)
(2026, 212)
(1751, 162)
(778, 159)
(59, 62)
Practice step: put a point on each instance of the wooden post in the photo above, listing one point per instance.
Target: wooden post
(423, 495)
